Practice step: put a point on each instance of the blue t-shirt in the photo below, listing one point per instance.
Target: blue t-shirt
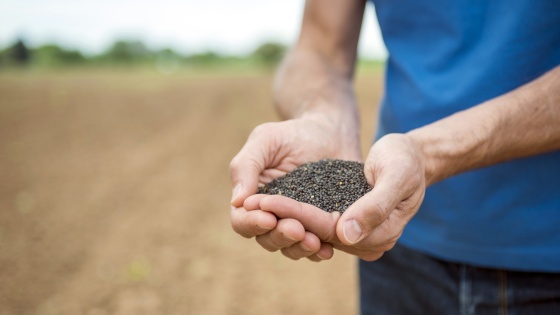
(446, 56)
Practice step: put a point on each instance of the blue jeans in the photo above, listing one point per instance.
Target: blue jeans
(404, 281)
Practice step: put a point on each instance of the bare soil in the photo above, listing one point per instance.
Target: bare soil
(114, 199)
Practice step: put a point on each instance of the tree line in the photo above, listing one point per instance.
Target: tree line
(129, 52)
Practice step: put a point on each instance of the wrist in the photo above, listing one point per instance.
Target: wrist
(517, 124)
(432, 169)
(455, 144)
(324, 98)
(339, 131)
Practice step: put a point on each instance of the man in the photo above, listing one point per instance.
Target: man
(471, 110)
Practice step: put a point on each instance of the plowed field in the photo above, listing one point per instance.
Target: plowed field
(114, 198)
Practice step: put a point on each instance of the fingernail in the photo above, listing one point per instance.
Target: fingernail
(305, 248)
(236, 191)
(291, 239)
(264, 228)
(352, 231)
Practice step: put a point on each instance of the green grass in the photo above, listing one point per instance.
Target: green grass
(221, 68)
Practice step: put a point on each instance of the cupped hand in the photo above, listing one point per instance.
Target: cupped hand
(272, 150)
(373, 224)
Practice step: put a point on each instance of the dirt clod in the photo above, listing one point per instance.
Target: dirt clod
(331, 185)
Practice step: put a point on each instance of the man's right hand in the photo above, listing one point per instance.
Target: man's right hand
(313, 91)
(272, 150)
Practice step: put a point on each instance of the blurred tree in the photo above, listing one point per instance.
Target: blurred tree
(167, 61)
(53, 55)
(17, 54)
(205, 58)
(124, 51)
(134, 52)
(20, 53)
(270, 53)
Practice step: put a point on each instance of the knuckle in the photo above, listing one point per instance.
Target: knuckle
(240, 226)
(260, 129)
(280, 240)
(289, 254)
(416, 178)
(379, 211)
(372, 256)
(308, 249)
(388, 247)
(392, 240)
(263, 242)
(237, 229)
(375, 217)
(234, 163)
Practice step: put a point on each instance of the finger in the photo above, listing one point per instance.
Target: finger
(249, 165)
(372, 256)
(326, 251)
(253, 202)
(368, 212)
(251, 223)
(246, 167)
(269, 174)
(286, 233)
(313, 219)
(309, 246)
(244, 171)
(365, 254)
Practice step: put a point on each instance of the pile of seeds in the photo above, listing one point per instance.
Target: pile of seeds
(331, 185)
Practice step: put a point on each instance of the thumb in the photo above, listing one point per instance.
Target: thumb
(246, 167)
(367, 213)
(244, 171)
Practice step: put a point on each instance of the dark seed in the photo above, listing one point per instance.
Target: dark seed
(331, 185)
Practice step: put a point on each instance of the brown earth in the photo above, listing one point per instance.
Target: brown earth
(114, 193)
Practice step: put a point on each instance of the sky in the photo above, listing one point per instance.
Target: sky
(189, 26)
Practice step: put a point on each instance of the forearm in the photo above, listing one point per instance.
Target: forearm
(315, 78)
(309, 85)
(521, 123)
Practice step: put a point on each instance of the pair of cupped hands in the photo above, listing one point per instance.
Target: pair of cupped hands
(371, 226)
